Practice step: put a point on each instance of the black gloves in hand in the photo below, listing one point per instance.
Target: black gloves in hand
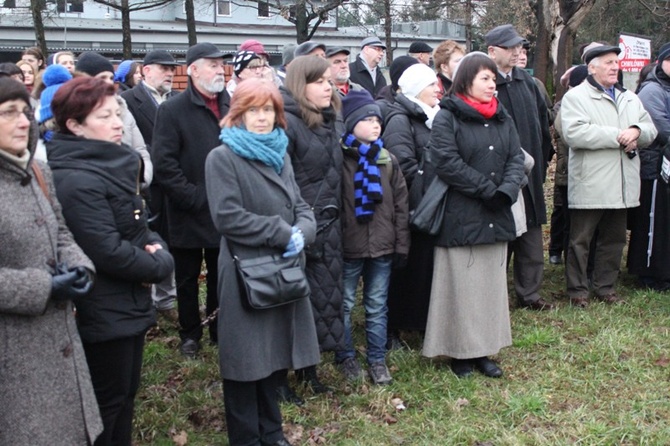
(498, 202)
(399, 261)
(72, 283)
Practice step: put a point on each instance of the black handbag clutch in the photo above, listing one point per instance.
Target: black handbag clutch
(429, 213)
(270, 281)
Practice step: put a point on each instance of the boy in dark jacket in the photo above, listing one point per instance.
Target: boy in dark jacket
(375, 230)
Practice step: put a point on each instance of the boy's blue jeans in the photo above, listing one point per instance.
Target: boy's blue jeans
(376, 277)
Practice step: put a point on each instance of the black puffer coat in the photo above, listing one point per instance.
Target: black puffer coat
(406, 135)
(97, 183)
(317, 162)
(477, 157)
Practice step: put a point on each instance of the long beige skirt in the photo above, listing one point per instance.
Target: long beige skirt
(469, 313)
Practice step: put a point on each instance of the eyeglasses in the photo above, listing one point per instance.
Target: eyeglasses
(378, 49)
(258, 68)
(13, 113)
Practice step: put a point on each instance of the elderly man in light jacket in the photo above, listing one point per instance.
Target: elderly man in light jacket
(604, 125)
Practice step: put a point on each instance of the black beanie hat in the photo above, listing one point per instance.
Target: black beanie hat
(93, 64)
(398, 67)
(358, 105)
(578, 74)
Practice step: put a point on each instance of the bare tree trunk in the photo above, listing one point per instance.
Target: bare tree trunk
(125, 31)
(468, 25)
(301, 22)
(36, 7)
(543, 64)
(566, 16)
(190, 22)
(388, 27)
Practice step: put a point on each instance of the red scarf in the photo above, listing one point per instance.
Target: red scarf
(486, 109)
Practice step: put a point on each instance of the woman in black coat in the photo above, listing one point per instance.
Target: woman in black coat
(406, 134)
(311, 105)
(98, 183)
(474, 148)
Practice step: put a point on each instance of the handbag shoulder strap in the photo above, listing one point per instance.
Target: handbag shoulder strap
(39, 176)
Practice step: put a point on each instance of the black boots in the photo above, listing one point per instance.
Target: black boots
(308, 377)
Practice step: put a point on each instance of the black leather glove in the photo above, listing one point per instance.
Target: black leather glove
(498, 202)
(70, 284)
(399, 261)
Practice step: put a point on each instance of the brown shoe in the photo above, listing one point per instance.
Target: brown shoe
(611, 298)
(539, 305)
(579, 302)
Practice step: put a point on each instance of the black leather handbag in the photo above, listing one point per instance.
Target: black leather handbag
(429, 213)
(272, 280)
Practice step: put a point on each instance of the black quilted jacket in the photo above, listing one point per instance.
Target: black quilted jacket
(317, 161)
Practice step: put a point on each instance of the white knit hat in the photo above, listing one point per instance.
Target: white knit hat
(415, 78)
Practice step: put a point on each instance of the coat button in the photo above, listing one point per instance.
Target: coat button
(40, 221)
(288, 205)
(490, 225)
(486, 125)
(490, 147)
(60, 305)
(67, 351)
(493, 174)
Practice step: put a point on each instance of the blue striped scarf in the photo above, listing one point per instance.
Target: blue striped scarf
(367, 182)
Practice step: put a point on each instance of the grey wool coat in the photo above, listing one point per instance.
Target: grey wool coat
(46, 396)
(253, 209)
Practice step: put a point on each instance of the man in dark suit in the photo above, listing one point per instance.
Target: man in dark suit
(187, 129)
(143, 100)
(365, 70)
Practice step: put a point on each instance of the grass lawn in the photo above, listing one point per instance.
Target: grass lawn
(595, 376)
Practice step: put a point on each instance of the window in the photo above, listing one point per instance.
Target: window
(222, 7)
(9, 4)
(263, 9)
(70, 5)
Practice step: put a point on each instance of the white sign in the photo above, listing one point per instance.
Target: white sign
(635, 53)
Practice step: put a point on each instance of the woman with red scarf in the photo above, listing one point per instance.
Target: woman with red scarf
(475, 149)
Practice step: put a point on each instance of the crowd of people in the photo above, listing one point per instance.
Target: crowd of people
(120, 194)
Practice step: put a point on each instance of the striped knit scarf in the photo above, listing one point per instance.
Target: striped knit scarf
(367, 183)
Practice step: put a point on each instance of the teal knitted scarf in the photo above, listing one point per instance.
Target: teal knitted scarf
(267, 148)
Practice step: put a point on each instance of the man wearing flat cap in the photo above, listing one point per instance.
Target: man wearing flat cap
(186, 130)
(339, 70)
(524, 102)
(365, 70)
(143, 100)
(310, 48)
(421, 51)
(604, 125)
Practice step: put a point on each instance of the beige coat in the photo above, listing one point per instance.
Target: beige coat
(600, 174)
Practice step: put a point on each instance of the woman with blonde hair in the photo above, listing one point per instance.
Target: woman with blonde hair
(257, 208)
(446, 57)
(66, 59)
(312, 103)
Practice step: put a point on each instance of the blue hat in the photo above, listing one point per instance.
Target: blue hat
(54, 77)
(122, 71)
(356, 106)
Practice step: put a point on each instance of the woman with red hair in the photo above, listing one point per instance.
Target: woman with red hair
(257, 208)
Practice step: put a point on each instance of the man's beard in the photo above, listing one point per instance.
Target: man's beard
(215, 86)
(342, 78)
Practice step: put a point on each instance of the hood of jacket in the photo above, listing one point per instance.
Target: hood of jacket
(117, 163)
